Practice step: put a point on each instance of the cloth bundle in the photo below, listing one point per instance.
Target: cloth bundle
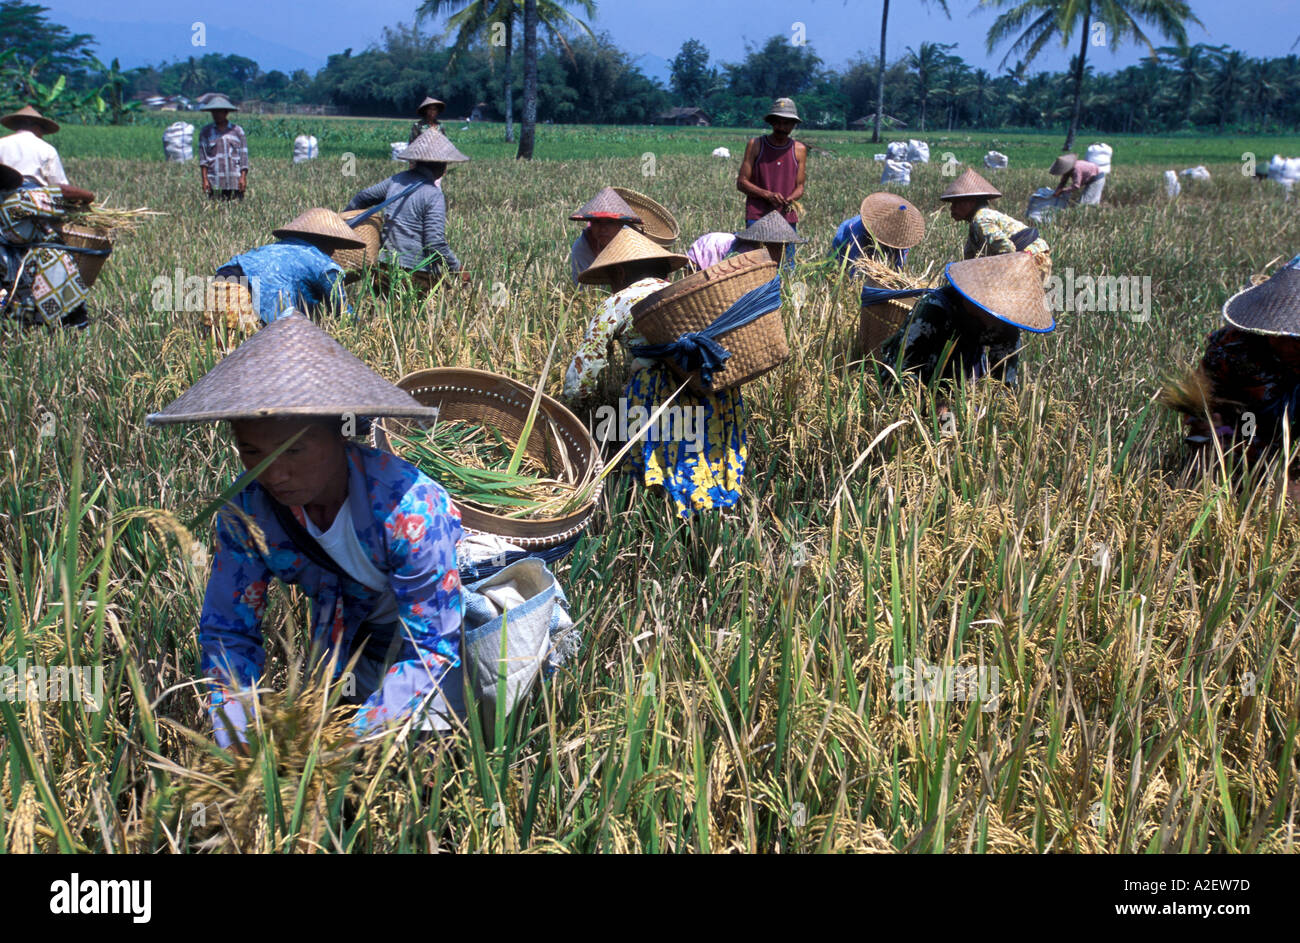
(995, 160)
(1042, 204)
(918, 152)
(178, 142)
(896, 171)
(305, 148)
(1172, 186)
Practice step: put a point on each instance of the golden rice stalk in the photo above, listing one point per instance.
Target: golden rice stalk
(884, 276)
(21, 839)
(108, 218)
(1192, 393)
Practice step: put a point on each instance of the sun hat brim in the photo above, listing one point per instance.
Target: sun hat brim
(627, 247)
(892, 221)
(1008, 287)
(28, 113)
(1272, 307)
(772, 227)
(1063, 164)
(322, 225)
(432, 146)
(970, 184)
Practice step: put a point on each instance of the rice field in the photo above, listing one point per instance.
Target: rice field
(1118, 652)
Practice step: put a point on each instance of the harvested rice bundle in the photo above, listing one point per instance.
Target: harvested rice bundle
(108, 218)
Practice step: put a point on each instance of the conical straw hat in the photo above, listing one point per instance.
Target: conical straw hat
(1007, 286)
(324, 226)
(627, 246)
(30, 113)
(770, 228)
(430, 100)
(1062, 165)
(10, 178)
(893, 221)
(218, 103)
(1272, 307)
(656, 221)
(969, 183)
(289, 368)
(607, 204)
(432, 146)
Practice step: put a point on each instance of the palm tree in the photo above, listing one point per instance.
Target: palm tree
(1193, 73)
(880, 69)
(474, 18)
(530, 81)
(1045, 20)
(929, 62)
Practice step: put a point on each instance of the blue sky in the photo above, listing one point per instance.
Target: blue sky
(299, 35)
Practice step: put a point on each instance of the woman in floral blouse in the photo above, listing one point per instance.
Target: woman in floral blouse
(700, 466)
(39, 283)
(991, 232)
(367, 537)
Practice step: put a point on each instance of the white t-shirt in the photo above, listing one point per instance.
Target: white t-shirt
(344, 547)
(32, 157)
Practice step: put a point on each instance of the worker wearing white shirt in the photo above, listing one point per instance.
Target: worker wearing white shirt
(27, 151)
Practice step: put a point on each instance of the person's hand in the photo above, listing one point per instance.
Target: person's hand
(464, 277)
(76, 194)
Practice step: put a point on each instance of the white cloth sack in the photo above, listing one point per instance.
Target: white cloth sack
(178, 141)
(897, 171)
(1042, 205)
(1196, 173)
(1090, 195)
(918, 152)
(305, 148)
(896, 150)
(539, 634)
(1100, 155)
(721, 152)
(1284, 170)
(995, 160)
(878, 158)
(395, 148)
(1172, 186)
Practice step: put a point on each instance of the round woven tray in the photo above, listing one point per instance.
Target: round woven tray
(656, 222)
(368, 231)
(82, 237)
(696, 301)
(482, 398)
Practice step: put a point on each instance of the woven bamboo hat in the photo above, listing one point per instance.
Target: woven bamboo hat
(1062, 165)
(1007, 286)
(430, 100)
(322, 226)
(893, 221)
(969, 183)
(628, 245)
(782, 108)
(432, 146)
(10, 178)
(289, 368)
(656, 222)
(770, 228)
(28, 113)
(1272, 307)
(607, 204)
(218, 103)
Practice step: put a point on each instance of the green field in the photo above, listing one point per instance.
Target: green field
(735, 687)
(272, 136)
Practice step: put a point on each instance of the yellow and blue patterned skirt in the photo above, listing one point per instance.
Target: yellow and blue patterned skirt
(702, 468)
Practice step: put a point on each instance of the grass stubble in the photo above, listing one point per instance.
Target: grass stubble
(734, 692)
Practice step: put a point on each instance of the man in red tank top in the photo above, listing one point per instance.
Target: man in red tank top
(772, 173)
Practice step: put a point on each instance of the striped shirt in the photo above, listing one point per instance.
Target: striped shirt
(224, 153)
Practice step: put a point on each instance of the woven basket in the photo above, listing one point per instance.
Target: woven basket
(482, 398)
(879, 322)
(696, 301)
(81, 237)
(656, 222)
(369, 231)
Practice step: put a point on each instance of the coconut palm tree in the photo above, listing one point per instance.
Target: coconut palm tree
(471, 19)
(530, 82)
(880, 69)
(929, 62)
(1040, 21)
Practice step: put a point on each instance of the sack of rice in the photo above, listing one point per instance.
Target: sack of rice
(1196, 173)
(178, 142)
(1042, 204)
(1172, 186)
(918, 152)
(896, 150)
(1100, 155)
(897, 171)
(395, 148)
(1284, 170)
(995, 160)
(305, 148)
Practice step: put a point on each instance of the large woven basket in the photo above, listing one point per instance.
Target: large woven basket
(82, 237)
(656, 222)
(879, 322)
(481, 398)
(696, 301)
(369, 231)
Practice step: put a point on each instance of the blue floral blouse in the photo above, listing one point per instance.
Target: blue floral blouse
(407, 523)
